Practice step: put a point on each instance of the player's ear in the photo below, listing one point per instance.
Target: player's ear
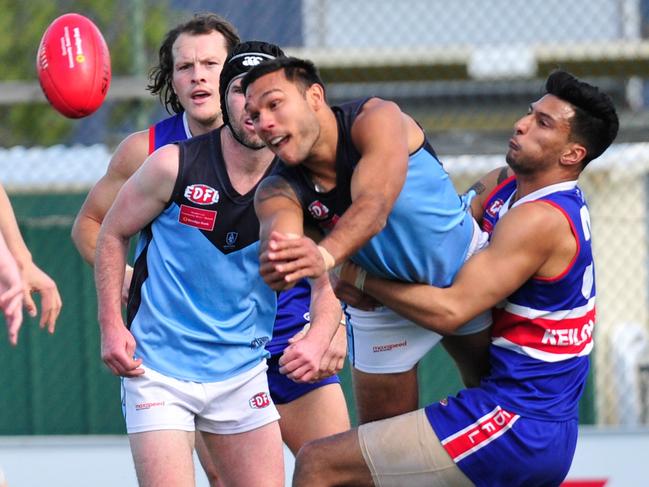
(315, 96)
(574, 154)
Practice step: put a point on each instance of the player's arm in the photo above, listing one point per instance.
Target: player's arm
(280, 217)
(530, 240)
(303, 360)
(375, 185)
(11, 292)
(34, 280)
(149, 190)
(126, 159)
(381, 135)
(483, 188)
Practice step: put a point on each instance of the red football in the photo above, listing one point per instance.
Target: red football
(73, 65)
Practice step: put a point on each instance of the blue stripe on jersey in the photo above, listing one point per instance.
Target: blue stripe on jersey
(428, 232)
(207, 324)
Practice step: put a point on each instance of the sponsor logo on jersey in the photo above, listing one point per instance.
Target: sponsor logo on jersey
(252, 60)
(259, 342)
(197, 217)
(231, 239)
(389, 346)
(201, 194)
(495, 207)
(148, 405)
(259, 400)
(318, 210)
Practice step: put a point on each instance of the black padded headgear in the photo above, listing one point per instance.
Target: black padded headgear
(242, 59)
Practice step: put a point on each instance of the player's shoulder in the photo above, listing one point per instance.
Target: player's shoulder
(375, 106)
(273, 186)
(130, 154)
(538, 217)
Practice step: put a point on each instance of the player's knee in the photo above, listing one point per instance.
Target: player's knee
(310, 469)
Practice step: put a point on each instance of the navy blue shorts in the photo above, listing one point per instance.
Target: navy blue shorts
(498, 448)
(283, 389)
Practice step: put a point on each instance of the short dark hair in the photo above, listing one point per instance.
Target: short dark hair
(299, 71)
(595, 123)
(161, 75)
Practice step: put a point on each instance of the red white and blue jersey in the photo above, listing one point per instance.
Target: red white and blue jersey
(168, 131)
(519, 427)
(542, 333)
(292, 304)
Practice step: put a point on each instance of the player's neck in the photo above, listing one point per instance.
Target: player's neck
(245, 166)
(529, 183)
(322, 161)
(199, 128)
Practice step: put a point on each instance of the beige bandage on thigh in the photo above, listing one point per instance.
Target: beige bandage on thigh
(405, 450)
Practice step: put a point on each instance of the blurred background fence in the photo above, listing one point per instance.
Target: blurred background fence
(465, 69)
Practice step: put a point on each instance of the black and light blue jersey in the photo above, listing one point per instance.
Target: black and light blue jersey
(198, 308)
(429, 230)
(293, 304)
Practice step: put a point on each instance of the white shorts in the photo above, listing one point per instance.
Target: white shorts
(383, 342)
(154, 401)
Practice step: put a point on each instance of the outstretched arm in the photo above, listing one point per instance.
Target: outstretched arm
(148, 190)
(533, 239)
(33, 278)
(382, 134)
(375, 185)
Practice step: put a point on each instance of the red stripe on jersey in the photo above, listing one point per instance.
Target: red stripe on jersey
(488, 428)
(569, 335)
(151, 139)
(574, 234)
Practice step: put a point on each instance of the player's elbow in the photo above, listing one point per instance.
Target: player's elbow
(446, 319)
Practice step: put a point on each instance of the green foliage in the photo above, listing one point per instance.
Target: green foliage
(23, 24)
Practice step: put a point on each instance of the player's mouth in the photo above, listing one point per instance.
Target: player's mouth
(276, 143)
(200, 95)
(513, 145)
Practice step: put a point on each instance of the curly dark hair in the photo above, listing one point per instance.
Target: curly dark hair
(161, 75)
(595, 123)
